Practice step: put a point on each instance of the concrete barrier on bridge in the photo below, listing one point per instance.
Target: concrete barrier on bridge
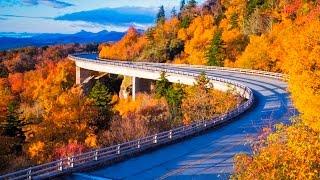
(142, 75)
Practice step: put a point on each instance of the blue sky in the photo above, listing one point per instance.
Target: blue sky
(70, 16)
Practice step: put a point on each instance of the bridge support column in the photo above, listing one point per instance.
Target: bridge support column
(134, 87)
(140, 85)
(82, 74)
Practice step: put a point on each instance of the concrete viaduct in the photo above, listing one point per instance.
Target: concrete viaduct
(206, 155)
(142, 73)
(210, 155)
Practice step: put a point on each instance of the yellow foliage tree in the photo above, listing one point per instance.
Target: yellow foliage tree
(197, 38)
(6, 98)
(301, 61)
(69, 119)
(37, 151)
(258, 55)
(291, 153)
(278, 51)
(163, 44)
(203, 103)
(144, 116)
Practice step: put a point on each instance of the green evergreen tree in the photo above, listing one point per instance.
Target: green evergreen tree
(215, 54)
(174, 97)
(173, 94)
(13, 127)
(185, 22)
(161, 17)
(162, 85)
(203, 81)
(100, 93)
(3, 71)
(182, 4)
(192, 3)
(173, 12)
(102, 99)
(149, 33)
(253, 4)
(234, 20)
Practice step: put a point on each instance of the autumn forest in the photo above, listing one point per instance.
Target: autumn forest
(45, 116)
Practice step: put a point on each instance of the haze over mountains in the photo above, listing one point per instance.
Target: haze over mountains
(16, 40)
(117, 19)
(122, 16)
(64, 23)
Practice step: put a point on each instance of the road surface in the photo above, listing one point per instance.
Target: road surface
(208, 156)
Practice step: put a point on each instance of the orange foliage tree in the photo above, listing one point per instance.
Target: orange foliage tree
(203, 103)
(278, 51)
(17, 82)
(6, 97)
(291, 152)
(49, 100)
(163, 43)
(37, 101)
(301, 61)
(197, 38)
(128, 48)
(259, 55)
(68, 117)
(144, 116)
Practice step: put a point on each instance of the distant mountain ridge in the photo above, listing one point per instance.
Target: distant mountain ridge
(18, 40)
(121, 16)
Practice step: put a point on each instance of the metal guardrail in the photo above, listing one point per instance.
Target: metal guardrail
(109, 154)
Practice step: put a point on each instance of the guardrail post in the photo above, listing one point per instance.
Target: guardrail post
(139, 144)
(96, 155)
(155, 138)
(29, 173)
(60, 165)
(170, 134)
(118, 149)
(70, 161)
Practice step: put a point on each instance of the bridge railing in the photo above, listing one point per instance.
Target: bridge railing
(274, 75)
(112, 153)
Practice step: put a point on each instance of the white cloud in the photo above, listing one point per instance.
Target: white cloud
(50, 3)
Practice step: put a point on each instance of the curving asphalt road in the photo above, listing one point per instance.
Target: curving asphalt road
(208, 156)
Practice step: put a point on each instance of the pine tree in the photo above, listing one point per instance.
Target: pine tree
(172, 94)
(173, 12)
(100, 93)
(174, 97)
(215, 54)
(162, 85)
(102, 99)
(182, 4)
(161, 15)
(185, 22)
(234, 20)
(3, 71)
(13, 127)
(203, 82)
(192, 3)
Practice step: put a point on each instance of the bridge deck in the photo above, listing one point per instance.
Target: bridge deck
(211, 154)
